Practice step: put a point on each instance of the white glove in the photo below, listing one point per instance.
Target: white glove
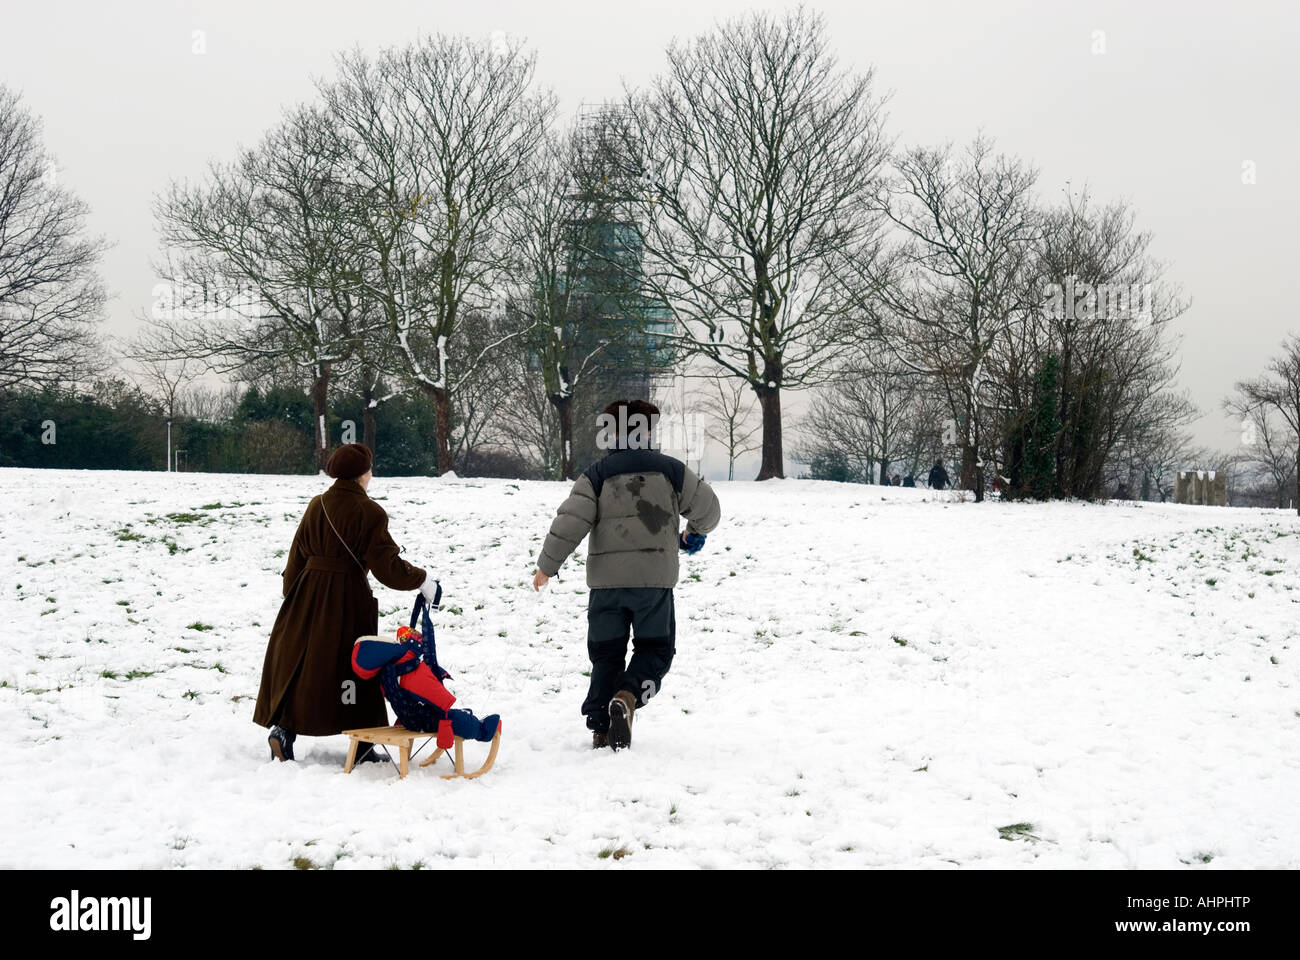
(430, 589)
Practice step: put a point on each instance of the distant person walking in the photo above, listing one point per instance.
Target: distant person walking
(938, 476)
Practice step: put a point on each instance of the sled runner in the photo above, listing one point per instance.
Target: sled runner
(412, 681)
(460, 758)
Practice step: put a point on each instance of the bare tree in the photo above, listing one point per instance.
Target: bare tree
(1269, 438)
(753, 157)
(873, 414)
(1279, 389)
(1157, 444)
(441, 132)
(261, 262)
(562, 229)
(955, 283)
(209, 404)
(51, 297)
(165, 377)
(729, 416)
(1103, 309)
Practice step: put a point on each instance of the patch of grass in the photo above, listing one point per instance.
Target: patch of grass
(109, 675)
(302, 863)
(618, 853)
(1018, 831)
(127, 534)
(190, 695)
(1140, 556)
(188, 518)
(1210, 581)
(197, 625)
(137, 674)
(898, 640)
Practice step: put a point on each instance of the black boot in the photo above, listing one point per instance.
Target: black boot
(281, 742)
(366, 753)
(621, 709)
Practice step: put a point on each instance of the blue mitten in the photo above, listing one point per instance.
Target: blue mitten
(692, 542)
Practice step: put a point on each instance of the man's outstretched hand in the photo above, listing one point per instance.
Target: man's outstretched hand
(539, 580)
(691, 542)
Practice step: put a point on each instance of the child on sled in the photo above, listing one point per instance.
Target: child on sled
(412, 682)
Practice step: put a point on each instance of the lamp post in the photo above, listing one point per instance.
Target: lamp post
(169, 446)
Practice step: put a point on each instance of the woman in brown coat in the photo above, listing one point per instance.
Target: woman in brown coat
(308, 685)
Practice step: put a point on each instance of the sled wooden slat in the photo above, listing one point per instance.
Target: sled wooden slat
(398, 737)
(405, 739)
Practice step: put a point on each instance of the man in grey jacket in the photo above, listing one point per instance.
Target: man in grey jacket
(629, 502)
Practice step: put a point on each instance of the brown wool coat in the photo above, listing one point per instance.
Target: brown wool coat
(327, 605)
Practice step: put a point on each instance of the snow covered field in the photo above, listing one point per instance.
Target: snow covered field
(864, 678)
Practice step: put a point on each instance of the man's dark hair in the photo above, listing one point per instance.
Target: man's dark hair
(613, 425)
(643, 407)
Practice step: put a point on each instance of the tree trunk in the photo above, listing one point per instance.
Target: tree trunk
(367, 410)
(564, 407)
(972, 477)
(1060, 485)
(320, 412)
(368, 421)
(442, 427)
(773, 465)
(884, 471)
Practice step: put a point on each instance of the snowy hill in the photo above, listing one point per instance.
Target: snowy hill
(864, 677)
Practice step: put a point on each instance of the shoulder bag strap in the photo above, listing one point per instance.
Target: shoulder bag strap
(340, 536)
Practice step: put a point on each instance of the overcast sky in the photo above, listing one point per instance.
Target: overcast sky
(1184, 94)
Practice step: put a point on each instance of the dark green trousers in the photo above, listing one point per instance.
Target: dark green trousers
(646, 615)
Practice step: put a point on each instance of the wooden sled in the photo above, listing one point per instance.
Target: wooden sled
(405, 739)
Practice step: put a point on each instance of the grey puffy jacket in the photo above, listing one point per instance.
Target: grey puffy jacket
(630, 502)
